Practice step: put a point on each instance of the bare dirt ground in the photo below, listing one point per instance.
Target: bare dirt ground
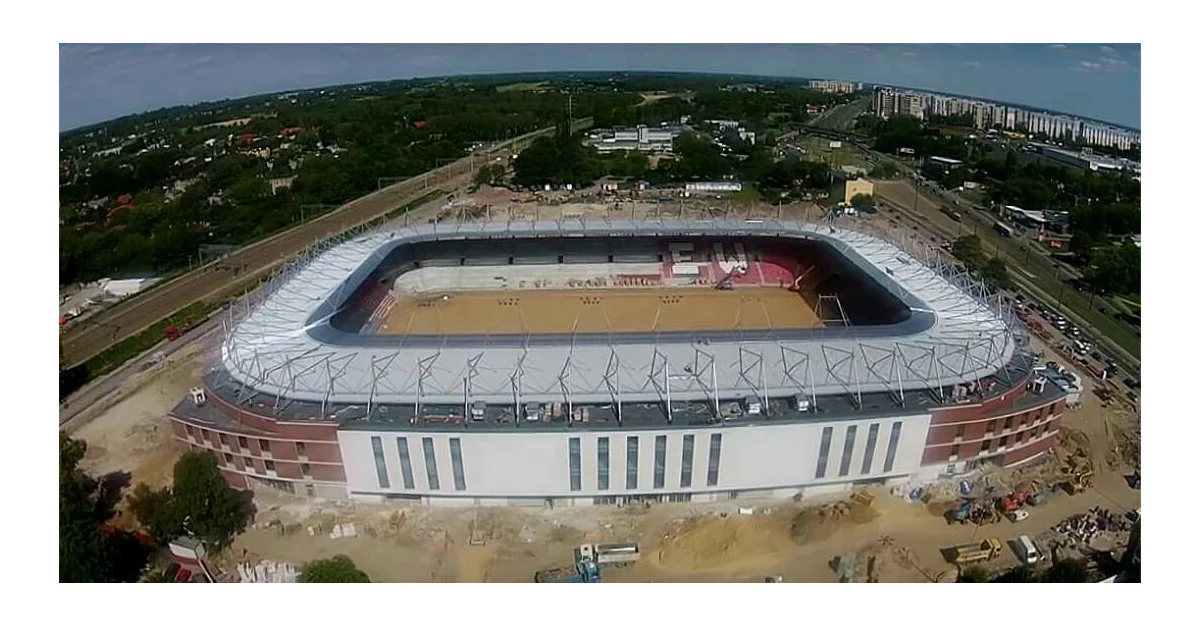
(601, 310)
(891, 540)
(133, 434)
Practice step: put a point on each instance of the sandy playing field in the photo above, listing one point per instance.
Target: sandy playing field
(600, 311)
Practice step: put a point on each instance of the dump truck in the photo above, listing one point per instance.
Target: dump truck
(615, 555)
(586, 569)
(973, 552)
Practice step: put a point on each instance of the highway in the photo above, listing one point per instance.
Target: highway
(92, 336)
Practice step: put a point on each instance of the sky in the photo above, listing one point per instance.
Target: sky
(105, 81)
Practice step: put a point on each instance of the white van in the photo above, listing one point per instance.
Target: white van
(1027, 552)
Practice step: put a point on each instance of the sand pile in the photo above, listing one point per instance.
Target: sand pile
(714, 541)
(815, 525)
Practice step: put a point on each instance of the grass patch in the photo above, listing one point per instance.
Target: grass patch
(1077, 302)
(747, 195)
(405, 208)
(117, 354)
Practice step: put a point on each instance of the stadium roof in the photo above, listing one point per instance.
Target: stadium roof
(284, 347)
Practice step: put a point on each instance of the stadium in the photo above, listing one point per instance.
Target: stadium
(581, 362)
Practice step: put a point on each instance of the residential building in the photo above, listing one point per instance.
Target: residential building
(888, 102)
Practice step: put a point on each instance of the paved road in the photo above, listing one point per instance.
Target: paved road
(944, 228)
(77, 405)
(126, 319)
(1028, 266)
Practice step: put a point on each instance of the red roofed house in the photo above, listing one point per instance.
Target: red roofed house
(419, 124)
(290, 131)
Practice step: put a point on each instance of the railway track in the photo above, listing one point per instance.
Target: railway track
(92, 336)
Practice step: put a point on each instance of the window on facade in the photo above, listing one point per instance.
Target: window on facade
(306, 470)
(310, 490)
(456, 465)
(264, 445)
(575, 472)
(247, 463)
(869, 454)
(269, 465)
(714, 458)
(847, 451)
(190, 431)
(224, 439)
(406, 472)
(991, 427)
(431, 472)
(823, 452)
(631, 462)
(1008, 423)
(1024, 420)
(893, 443)
(380, 462)
(961, 431)
(1020, 437)
(660, 461)
(229, 459)
(685, 467)
(954, 451)
(301, 449)
(602, 463)
(985, 446)
(1004, 442)
(243, 443)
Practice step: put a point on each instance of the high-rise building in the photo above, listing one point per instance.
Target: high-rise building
(888, 102)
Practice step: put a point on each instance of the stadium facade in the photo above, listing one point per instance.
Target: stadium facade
(923, 374)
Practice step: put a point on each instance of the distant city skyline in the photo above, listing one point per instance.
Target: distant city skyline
(106, 81)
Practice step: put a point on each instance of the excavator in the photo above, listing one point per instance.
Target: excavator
(726, 282)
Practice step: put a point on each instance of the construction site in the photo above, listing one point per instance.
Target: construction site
(1077, 498)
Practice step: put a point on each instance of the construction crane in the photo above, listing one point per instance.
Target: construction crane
(726, 282)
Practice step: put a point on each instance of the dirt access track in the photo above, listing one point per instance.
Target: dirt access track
(91, 337)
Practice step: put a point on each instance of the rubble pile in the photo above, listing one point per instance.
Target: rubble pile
(1083, 528)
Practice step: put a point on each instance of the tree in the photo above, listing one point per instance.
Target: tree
(1020, 574)
(969, 250)
(203, 501)
(1068, 571)
(974, 574)
(155, 511)
(994, 273)
(863, 202)
(337, 569)
(1081, 246)
(89, 550)
(490, 175)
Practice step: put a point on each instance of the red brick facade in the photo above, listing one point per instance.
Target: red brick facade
(260, 446)
(992, 428)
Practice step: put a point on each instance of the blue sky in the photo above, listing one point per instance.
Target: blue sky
(101, 82)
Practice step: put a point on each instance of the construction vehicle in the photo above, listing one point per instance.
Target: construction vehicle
(973, 552)
(616, 555)
(980, 512)
(1080, 482)
(585, 570)
(863, 498)
(726, 282)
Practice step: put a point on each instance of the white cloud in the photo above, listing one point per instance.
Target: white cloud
(973, 64)
(910, 53)
(1107, 51)
(1057, 46)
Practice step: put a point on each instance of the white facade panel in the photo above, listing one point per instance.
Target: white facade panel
(533, 465)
